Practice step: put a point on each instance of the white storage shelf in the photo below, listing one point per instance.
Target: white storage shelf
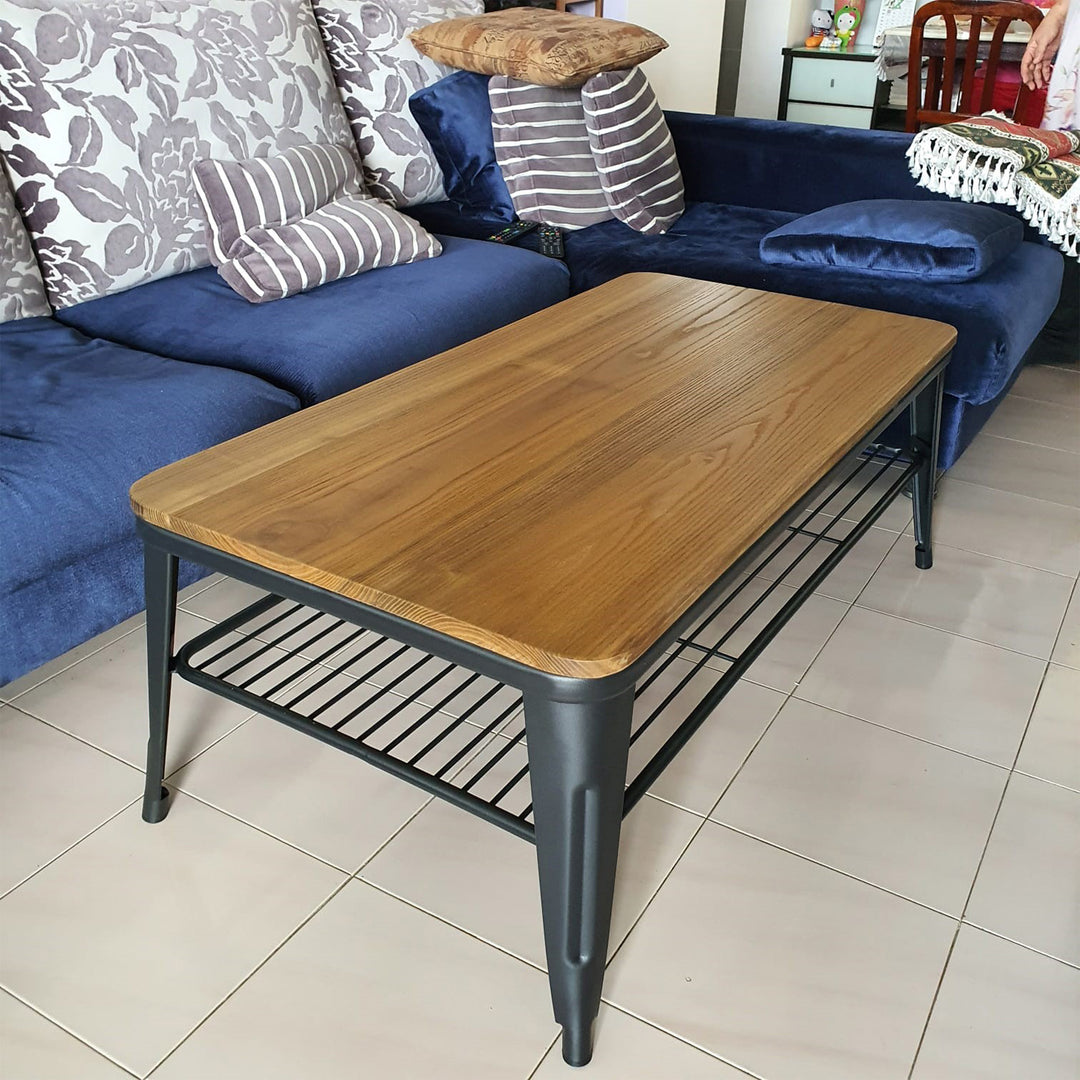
(841, 89)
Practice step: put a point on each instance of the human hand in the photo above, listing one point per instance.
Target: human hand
(1038, 59)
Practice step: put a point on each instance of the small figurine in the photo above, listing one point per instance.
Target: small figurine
(820, 27)
(847, 24)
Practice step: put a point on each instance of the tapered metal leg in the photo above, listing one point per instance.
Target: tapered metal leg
(577, 766)
(160, 570)
(925, 414)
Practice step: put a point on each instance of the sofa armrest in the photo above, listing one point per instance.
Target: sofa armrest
(777, 165)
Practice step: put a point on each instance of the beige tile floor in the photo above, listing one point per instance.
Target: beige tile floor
(867, 866)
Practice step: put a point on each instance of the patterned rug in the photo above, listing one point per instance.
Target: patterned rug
(989, 159)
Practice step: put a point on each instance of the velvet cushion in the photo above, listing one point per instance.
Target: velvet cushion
(341, 335)
(998, 315)
(455, 116)
(537, 46)
(81, 420)
(897, 238)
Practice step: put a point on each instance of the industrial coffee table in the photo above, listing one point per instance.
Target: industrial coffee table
(623, 488)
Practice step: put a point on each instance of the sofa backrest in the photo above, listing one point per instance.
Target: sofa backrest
(22, 292)
(106, 107)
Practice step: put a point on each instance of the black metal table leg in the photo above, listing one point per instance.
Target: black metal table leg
(925, 418)
(160, 569)
(577, 763)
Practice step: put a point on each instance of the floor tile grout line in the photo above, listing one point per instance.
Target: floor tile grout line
(986, 487)
(1044, 780)
(906, 734)
(964, 637)
(67, 1031)
(975, 879)
(1074, 966)
(1074, 596)
(416, 906)
(44, 866)
(835, 869)
(543, 1057)
(1028, 442)
(247, 978)
(684, 1039)
(74, 663)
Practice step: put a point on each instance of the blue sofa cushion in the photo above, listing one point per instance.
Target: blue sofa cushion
(898, 238)
(82, 420)
(340, 335)
(997, 315)
(455, 116)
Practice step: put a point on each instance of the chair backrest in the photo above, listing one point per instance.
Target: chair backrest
(949, 90)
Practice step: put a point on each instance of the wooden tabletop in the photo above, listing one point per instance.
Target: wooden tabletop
(559, 491)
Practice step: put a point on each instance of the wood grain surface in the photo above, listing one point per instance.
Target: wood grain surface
(561, 490)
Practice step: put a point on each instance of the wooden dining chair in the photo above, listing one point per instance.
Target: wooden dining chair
(946, 90)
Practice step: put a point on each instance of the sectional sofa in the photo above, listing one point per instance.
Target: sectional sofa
(123, 350)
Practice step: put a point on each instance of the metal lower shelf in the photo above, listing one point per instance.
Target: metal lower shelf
(460, 735)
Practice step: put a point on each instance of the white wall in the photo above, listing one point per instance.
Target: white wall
(686, 74)
(770, 26)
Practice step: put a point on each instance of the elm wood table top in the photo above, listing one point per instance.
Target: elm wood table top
(561, 490)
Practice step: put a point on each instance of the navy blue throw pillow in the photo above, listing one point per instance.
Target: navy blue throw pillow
(455, 116)
(937, 241)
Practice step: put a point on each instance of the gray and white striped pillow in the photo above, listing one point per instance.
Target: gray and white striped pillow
(542, 147)
(266, 191)
(633, 150)
(348, 236)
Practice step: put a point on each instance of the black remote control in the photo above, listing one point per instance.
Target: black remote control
(551, 242)
(513, 231)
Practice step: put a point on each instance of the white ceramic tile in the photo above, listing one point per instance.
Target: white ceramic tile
(1022, 468)
(1041, 382)
(963, 694)
(289, 626)
(53, 791)
(373, 988)
(32, 1048)
(626, 1049)
(1003, 1013)
(785, 968)
(1001, 603)
(1007, 526)
(786, 659)
(1056, 426)
(1028, 888)
(103, 700)
(905, 815)
(39, 675)
(696, 778)
(137, 933)
(849, 578)
(1067, 648)
(484, 880)
(875, 482)
(325, 801)
(1051, 747)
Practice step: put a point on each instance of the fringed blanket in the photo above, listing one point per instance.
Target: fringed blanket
(988, 159)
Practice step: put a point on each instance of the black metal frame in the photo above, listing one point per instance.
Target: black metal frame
(322, 670)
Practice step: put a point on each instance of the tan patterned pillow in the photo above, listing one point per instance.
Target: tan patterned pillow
(537, 46)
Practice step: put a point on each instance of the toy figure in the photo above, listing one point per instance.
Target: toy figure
(847, 24)
(820, 27)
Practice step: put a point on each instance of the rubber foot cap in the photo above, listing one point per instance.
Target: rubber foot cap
(157, 809)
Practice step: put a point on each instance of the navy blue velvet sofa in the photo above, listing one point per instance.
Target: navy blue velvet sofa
(109, 390)
(112, 388)
(744, 178)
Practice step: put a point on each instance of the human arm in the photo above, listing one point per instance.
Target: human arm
(1039, 56)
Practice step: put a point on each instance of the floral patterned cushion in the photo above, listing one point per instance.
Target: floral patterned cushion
(105, 108)
(22, 293)
(377, 68)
